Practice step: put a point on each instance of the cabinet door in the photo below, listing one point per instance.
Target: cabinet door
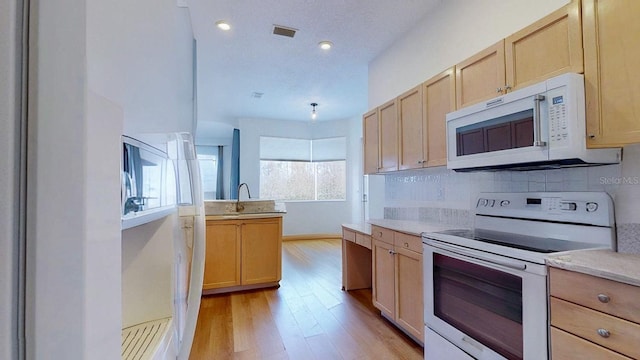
(611, 32)
(261, 251)
(411, 122)
(370, 142)
(481, 76)
(383, 278)
(551, 46)
(222, 259)
(409, 302)
(388, 136)
(439, 99)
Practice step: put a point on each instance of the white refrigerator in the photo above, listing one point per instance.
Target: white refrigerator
(11, 183)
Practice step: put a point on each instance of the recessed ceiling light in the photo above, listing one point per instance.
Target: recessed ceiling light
(223, 25)
(325, 45)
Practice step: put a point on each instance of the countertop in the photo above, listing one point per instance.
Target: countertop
(409, 227)
(244, 216)
(607, 264)
(363, 228)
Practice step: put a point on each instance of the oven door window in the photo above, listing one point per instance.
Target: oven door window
(484, 303)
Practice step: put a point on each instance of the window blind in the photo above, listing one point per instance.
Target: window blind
(287, 149)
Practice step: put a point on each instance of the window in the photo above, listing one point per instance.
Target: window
(208, 159)
(300, 169)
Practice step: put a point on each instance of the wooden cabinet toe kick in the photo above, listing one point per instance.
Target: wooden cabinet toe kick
(275, 284)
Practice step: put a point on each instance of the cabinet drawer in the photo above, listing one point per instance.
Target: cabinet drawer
(382, 234)
(409, 242)
(364, 240)
(349, 235)
(586, 289)
(565, 346)
(586, 323)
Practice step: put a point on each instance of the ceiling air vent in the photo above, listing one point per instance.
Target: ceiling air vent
(257, 95)
(284, 31)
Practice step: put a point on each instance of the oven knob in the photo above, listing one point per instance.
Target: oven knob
(483, 202)
(504, 203)
(492, 203)
(591, 206)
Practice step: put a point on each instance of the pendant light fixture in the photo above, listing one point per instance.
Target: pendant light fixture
(313, 111)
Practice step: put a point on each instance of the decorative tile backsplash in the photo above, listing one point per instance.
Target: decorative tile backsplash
(441, 195)
(459, 190)
(454, 217)
(628, 238)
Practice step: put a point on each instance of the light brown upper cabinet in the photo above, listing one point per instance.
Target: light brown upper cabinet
(388, 127)
(410, 119)
(439, 94)
(481, 76)
(422, 114)
(612, 78)
(371, 139)
(551, 46)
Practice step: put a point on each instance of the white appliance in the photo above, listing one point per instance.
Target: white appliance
(13, 157)
(163, 246)
(540, 126)
(485, 289)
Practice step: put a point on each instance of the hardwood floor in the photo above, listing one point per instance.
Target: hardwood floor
(307, 317)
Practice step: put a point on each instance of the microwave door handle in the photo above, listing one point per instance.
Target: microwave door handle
(537, 141)
(517, 265)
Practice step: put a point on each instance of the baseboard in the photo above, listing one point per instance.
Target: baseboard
(311, 237)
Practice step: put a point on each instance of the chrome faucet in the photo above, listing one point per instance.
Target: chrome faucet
(238, 206)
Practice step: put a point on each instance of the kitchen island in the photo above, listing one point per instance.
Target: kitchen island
(243, 248)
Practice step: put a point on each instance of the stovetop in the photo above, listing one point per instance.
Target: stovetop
(528, 226)
(518, 241)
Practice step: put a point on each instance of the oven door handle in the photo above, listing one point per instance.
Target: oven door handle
(475, 255)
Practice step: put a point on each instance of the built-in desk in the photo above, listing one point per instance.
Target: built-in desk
(356, 256)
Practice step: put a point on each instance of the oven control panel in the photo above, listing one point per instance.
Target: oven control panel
(579, 207)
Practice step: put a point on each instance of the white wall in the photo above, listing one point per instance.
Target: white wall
(455, 30)
(9, 180)
(303, 217)
(140, 56)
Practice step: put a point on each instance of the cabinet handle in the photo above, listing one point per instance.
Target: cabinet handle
(406, 245)
(604, 333)
(507, 88)
(604, 298)
(592, 136)
(380, 232)
(499, 90)
(391, 252)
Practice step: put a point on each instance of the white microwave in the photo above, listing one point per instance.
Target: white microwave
(537, 127)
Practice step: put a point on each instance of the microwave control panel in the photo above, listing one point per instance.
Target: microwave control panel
(558, 117)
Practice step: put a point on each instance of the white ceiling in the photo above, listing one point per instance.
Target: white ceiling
(292, 72)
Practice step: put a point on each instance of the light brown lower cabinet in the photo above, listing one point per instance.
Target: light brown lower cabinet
(397, 279)
(242, 254)
(592, 317)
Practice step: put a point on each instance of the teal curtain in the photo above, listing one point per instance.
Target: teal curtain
(235, 164)
(220, 175)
